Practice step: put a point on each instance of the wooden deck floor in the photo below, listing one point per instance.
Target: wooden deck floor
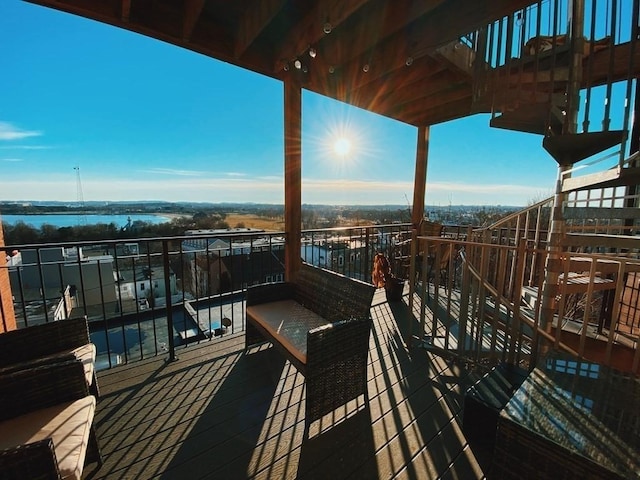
(219, 413)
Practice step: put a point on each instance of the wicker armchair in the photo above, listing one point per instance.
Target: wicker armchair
(323, 325)
(46, 422)
(50, 343)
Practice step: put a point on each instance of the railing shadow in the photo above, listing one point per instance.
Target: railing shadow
(230, 424)
(434, 385)
(335, 451)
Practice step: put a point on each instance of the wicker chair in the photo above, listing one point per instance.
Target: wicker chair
(321, 323)
(46, 423)
(50, 343)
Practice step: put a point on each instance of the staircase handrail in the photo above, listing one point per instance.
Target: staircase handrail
(512, 216)
(510, 306)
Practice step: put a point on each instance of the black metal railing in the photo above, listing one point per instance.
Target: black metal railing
(152, 296)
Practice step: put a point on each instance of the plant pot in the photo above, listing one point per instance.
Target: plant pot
(394, 288)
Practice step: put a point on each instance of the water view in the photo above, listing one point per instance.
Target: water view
(70, 220)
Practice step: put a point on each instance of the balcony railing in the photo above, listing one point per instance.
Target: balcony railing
(482, 302)
(476, 295)
(152, 296)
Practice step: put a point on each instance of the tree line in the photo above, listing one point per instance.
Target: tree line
(22, 233)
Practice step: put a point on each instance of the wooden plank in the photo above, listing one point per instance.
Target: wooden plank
(255, 18)
(292, 176)
(611, 178)
(220, 413)
(310, 29)
(589, 213)
(601, 240)
(443, 25)
(192, 10)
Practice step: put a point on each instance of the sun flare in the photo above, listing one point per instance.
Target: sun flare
(342, 146)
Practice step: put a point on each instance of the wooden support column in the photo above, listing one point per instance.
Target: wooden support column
(7, 315)
(420, 178)
(417, 213)
(554, 247)
(292, 177)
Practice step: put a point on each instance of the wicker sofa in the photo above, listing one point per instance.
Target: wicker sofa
(47, 343)
(46, 422)
(321, 323)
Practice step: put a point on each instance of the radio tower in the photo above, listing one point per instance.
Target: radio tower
(82, 218)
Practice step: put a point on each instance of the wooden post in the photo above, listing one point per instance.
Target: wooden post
(420, 178)
(292, 177)
(7, 315)
(417, 213)
(570, 127)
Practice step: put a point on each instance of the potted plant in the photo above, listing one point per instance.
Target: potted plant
(383, 277)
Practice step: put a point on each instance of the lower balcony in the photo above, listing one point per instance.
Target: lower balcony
(218, 412)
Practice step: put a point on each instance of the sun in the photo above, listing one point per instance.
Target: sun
(342, 147)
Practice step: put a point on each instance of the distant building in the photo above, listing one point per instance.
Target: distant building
(343, 255)
(49, 274)
(146, 286)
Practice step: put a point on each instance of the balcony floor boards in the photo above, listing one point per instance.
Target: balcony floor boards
(219, 413)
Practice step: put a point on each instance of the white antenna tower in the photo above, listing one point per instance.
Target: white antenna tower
(82, 218)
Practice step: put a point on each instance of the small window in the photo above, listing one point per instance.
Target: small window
(269, 280)
(341, 260)
(142, 287)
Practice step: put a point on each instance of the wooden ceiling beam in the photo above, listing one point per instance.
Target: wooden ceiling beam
(439, 114)
(253, 21)
(383, 21)
(422, 70)
(125, 10)
(444, 25)
(422, 89)
(192, 11)
(414, 107)
(309, 30)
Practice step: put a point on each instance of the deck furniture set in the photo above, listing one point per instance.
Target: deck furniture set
(321, 323)
(48, 393)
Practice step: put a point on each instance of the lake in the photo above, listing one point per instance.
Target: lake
(68, 220)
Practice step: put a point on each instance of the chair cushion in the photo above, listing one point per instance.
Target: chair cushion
(68, 424)
(288, 322)
(87, 355)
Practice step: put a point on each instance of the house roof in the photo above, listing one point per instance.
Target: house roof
(398, 58)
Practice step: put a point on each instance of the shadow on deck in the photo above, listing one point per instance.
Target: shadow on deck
(220, 413)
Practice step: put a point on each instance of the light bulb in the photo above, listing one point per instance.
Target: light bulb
(312, 52)
(365, 69)
(326, 28)
(297, 64)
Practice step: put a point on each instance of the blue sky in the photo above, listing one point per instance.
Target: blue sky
(145, 120)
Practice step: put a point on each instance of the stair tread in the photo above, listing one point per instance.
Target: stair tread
(571, 148)
(614, 177)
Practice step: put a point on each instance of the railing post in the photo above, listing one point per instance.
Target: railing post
(412, 288)
(521, 255)
(167, 293)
